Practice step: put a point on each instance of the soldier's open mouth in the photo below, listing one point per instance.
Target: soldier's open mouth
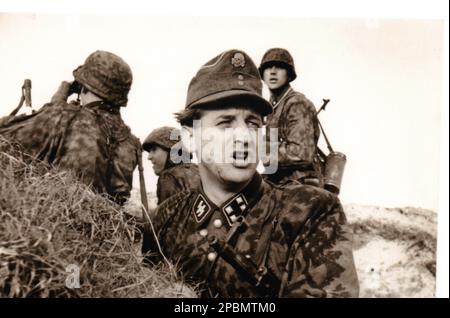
(240, 155)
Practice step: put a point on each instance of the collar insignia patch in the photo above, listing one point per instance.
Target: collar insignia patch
(234, 208)
(201, 208)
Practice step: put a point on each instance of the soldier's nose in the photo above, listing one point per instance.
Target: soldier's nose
(242, 135)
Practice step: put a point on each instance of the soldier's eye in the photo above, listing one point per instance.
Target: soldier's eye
(224, 123)
(254, 124)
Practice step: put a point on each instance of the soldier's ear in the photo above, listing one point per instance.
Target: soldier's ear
(187, 138)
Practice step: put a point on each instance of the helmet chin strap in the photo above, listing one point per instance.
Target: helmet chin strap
(169, 163)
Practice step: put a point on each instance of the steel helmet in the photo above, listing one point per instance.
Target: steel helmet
(161, 137)
(106, 75)
(278, 55)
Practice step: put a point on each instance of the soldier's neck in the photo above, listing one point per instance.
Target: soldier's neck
(217, 191)
(89, 97)
(276, 94)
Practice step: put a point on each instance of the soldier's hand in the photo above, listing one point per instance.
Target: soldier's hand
(75, 88)
(62, 93)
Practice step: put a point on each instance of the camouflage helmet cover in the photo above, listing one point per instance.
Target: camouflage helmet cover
(278, 55)
(106, 75)
(161, 137)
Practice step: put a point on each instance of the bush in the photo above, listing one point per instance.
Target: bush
(51, 225)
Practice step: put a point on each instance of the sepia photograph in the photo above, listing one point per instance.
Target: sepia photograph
(197, 151)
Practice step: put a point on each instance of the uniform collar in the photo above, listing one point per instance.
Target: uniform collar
(237, 205)
(275, 101)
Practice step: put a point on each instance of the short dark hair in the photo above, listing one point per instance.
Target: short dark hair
(84, 89)
(279, 64)
(186, 117)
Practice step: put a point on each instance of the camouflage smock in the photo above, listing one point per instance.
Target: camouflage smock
(92, 141)
(303, 224)
(176, 179)
(298, 133)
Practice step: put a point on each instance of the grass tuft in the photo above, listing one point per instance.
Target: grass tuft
(51, 225)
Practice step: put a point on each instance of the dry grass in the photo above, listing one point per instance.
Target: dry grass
(49, 221)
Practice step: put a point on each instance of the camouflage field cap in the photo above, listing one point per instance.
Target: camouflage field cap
(229, 75)
(278, 55)
(160, 137)
(106, 75)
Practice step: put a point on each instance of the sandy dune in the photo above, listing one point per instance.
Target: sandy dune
(394, 250)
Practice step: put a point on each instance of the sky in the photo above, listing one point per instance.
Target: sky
(382, 67)
(383, 77)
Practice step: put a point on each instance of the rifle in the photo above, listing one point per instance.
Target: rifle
(142, 188)
(148, 224)
(333, 164)
(26, 97)
(325, 102)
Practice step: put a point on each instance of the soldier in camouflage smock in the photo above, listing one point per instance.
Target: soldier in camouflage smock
(90, 139)
(237, 235)
(173, 177)
(295, 118)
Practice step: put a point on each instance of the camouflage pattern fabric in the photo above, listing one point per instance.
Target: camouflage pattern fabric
(181, 177)
(298, 133)
(161, 137)
(294, 175)
(106, 75)
(299, 233)
(92, 141)
(4, 120)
